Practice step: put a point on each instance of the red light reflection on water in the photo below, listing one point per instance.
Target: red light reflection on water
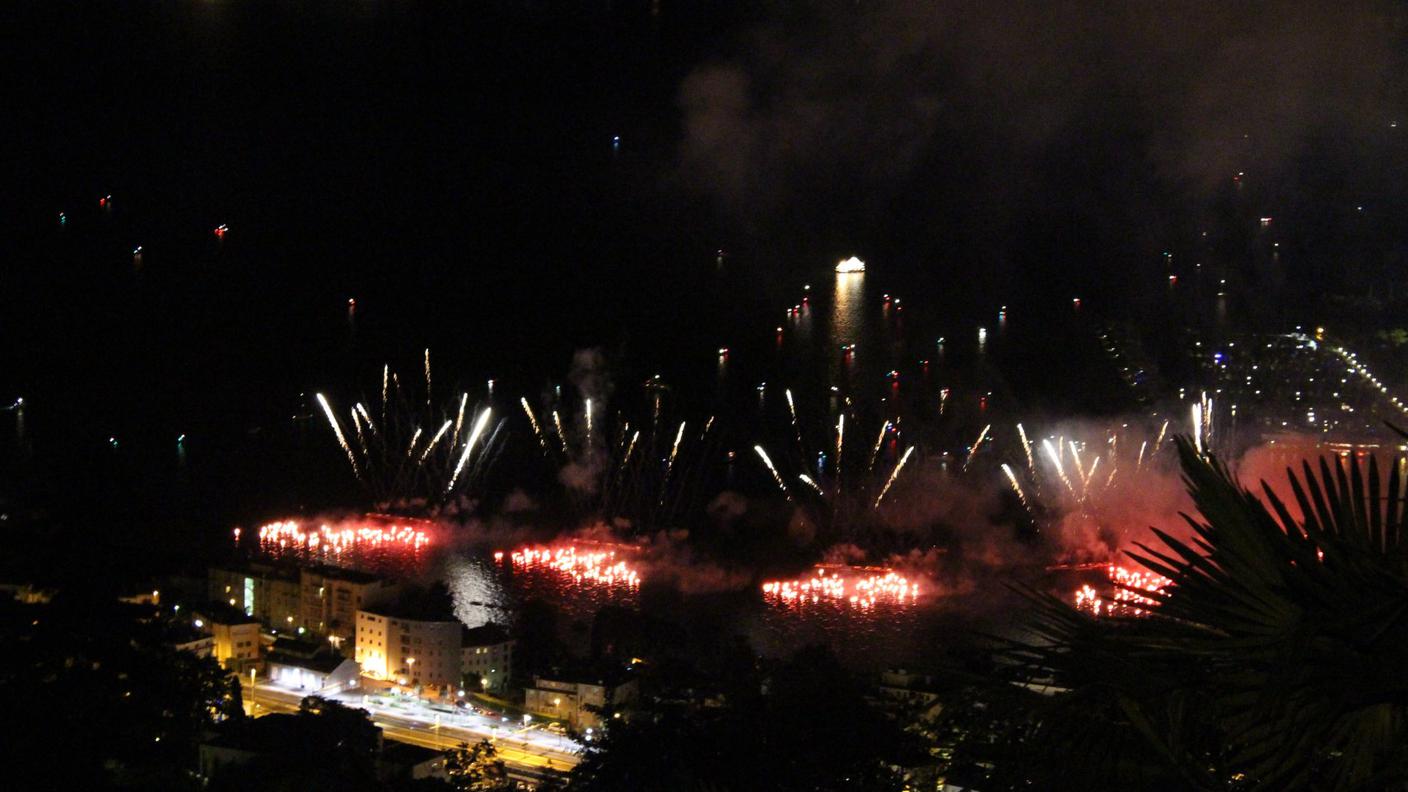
(579, 577)
(373, 542)
(1124, 599)
(851, 587)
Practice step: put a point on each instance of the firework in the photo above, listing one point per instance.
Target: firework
(1197, 422)
(597, 568)
(337, 431)
(1133, 593)
(334, 542)
(469, 446)
(1016, 487)
(427, 377)
(1026, 447)
(875, 452)
(773, 470)
(894, 475)
(810, 482)
(589, 426)
(1056, 461)
(533, 421)
(861, 587)
(840, 440)
(674, 450)
(459, 416)
(391, 457)
(976, 445)
(561, 435)
(445, 427)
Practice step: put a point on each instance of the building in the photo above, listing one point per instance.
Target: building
(183, 636)
(405, 762)
(240, 741)
(583, 698)
(414, 641)
(488, 656)
(905, 691)
(272, 594)
(236, 636)
(310, 667)
(330, 598)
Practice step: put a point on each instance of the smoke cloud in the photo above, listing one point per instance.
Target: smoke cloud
(984, 114)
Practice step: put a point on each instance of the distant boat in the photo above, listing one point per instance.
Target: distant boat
(851, 264)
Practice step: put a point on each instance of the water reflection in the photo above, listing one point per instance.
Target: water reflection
(847, 322)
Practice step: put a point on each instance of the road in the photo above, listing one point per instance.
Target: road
(528, 753)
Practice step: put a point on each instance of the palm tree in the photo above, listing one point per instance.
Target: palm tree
(1276, 659)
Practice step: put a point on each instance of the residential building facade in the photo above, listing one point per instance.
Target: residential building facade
(487, 657)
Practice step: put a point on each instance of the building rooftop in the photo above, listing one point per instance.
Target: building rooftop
(407, 755)
(606, 674)
(259, 569)
(217, 612)
(323, 662)
(343, 573)
(488, 634)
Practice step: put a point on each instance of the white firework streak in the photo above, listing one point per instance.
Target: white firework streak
(1198, 427)
(840, 441)
(533, 419)
(469, 446)
(337, 430)
(557, 422)
(427, 376)
(809, 482)
(589, 423)
(976, 445)
(414, 438)
(1138, 463)
(1080, 469)
(1158, 441)
(894, 475)
(775, 477)
(1016, 487)
(630, 447)
(459, 417)
(1026, 448)
(874, 452)
(367, 418)
(674, 449)
(1056, 460)
(361, 441)
(445, 427)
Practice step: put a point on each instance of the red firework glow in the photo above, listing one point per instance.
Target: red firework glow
(591, 567)
(1124, 599)
(859, 587)
(375, 534)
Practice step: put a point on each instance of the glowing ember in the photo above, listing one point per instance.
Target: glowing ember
(591, 567)
(1124, 599)
(850, 586)
(289, 534)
